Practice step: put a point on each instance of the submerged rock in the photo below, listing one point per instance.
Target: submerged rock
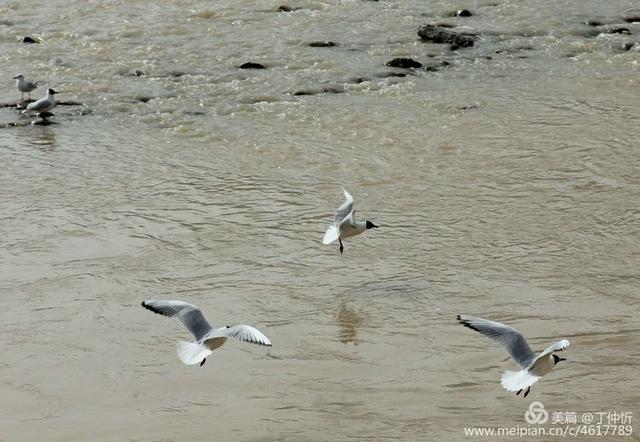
(632, 19)
(251, 65)
(437, 34)
(322, 44)
(285, 8)
(619, 31)
(28, 39)
(404, 63)
(326, 90)
(461, 13)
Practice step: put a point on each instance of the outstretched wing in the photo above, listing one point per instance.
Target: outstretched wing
(188, 314)
(331, 235)
(345, 211)
(509, 338)
(244, 333)
(556, 346)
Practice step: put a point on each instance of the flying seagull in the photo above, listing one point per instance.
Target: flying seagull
(532, 367)
(24, 85)
(345, 224)
(207, 338)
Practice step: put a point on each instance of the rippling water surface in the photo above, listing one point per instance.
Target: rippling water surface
(505, 183)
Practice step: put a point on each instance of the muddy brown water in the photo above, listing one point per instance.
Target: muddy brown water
(506, 185)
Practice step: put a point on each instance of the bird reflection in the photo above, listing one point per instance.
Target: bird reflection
(348, 322)
(42, 137)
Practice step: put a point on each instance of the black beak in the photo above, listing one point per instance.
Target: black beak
(561, 359)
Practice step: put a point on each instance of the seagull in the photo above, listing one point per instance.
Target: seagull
(345, 225)
(44, 104)
(532, 367)
(25, 85)
(207, 338)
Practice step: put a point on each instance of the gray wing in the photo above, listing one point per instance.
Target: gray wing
(188, 314)
(42, 103)
(509, 338)
(31, 85)
(345, 211)
(244, 333)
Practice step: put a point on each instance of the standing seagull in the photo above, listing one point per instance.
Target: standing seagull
(345, 225)
(43, 105)
(532, 367)
(207, 338)
(25, 85)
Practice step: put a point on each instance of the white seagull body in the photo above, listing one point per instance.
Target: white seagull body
(207, 338)
(25, 85)
(44, 104)
(532, 367)
(345, 225)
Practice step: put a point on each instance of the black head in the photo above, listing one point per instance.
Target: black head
(18, 76)
(557, 359)
(51, 92)
(370, 225)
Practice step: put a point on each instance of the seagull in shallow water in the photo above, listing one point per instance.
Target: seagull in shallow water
(345, 224)
(25, 85)
(532, 367)
(44, 104)
(207, 338)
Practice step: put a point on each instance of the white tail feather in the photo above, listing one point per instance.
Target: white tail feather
(191, 353)
(518, 380)
(331, 235)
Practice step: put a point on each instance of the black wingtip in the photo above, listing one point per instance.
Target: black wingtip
(151, 308)
(465, 323)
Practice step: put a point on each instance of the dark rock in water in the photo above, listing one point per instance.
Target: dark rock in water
(606, 30)
(28, 39)
(461, 13)
(305, 92)
(404, 63)
(326, 90)
(444, 25)
(251, 65)
(594, 23)
(437, 34)
(620, 31)
(322, 44)
(285, 8)
(632, 19)
(627, 46)
(394, 74)
(136, 73)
